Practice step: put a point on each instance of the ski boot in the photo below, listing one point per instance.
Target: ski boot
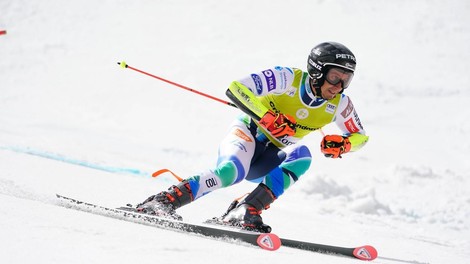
(164, 204)
(247, 214)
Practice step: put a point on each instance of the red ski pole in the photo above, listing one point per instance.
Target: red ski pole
(124, 65)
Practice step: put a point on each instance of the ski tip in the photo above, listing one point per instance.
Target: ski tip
(269, 241)
(365, 253)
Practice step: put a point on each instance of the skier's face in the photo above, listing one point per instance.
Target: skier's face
(329, 91)
(336, 80)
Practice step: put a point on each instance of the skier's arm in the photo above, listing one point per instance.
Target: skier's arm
(277, 124)
(244, 92)
(246, 101)
(354, 136)
(349, 122)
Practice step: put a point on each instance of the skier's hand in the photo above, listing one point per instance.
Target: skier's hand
(278, 124)
(333, 146)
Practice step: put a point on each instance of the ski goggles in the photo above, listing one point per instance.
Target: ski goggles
(337, 75)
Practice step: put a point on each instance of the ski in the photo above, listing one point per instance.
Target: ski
(363, 252)
(366, 252)
(267, 241)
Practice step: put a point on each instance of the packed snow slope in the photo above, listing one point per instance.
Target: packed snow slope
(73, 122)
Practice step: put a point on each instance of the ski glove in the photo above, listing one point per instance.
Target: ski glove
(333, 146)
(278, 124)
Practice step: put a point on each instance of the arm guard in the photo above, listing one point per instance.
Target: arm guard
(246, 101)
(357, 141)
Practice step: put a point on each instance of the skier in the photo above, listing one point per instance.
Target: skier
(281, 105)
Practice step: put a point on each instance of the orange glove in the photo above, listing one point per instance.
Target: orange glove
(333, 146)
(278, 124)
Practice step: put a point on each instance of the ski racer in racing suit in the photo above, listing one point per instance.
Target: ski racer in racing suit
(281, 105)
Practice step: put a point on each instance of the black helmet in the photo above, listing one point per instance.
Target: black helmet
(329, 54)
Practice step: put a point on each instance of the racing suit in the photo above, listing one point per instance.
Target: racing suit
(250, 152)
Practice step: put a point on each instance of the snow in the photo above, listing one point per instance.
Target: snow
(73, 122)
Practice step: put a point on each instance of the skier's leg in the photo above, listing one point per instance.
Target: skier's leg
(235, 153)
(296, 163)
(273, 184)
